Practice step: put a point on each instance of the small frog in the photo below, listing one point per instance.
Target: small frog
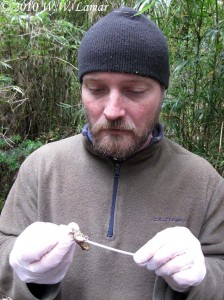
(79, 237)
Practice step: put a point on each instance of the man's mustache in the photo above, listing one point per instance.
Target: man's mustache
(114, 125)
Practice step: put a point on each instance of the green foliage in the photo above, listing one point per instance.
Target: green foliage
(12, 153)
(37, 70)
(11, 158)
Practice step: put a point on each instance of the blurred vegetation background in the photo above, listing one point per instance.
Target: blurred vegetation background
(40, 92)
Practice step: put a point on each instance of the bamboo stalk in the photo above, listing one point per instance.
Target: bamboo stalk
(220, 139)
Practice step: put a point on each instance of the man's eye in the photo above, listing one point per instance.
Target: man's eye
(96, 90)
(134, 92)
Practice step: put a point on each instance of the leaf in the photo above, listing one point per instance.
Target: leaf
(180, 66)
(147, 7)
(5, 65)
(5, 79)
(18, 89)
(65, 105)
(168, 2)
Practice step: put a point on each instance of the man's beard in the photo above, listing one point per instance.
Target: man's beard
(120, 145)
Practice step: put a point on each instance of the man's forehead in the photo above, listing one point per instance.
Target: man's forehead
(101, 76)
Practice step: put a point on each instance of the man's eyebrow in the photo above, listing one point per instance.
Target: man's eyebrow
(88, 77)
(135, 80)
(91, 78)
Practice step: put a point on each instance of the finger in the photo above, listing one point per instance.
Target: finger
(36, 240)
(175, 265)
(165, 254)
(56, 254)
(162, 241)
(146, 252)
(189, 277)
(53, 259)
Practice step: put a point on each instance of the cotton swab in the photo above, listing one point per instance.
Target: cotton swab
(108, 248)
(83, 240)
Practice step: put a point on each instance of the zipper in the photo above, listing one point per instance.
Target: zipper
(117, 168)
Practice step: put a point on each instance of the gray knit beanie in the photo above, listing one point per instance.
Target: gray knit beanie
(122, 42)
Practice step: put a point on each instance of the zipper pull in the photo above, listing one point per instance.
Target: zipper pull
(117, 168)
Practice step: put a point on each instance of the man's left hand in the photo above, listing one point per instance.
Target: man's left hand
(174, 254)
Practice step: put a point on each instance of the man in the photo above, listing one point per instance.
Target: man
(126, 185)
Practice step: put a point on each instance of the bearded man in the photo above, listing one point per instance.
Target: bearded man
(125, 184)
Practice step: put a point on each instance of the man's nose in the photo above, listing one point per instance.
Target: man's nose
(114, 108)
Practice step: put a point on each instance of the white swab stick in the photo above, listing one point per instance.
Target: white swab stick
(109, 248)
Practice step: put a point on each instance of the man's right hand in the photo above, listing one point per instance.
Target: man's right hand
(42, 253)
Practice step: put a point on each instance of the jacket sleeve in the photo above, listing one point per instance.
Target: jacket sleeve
(20, 211)
(212, 241)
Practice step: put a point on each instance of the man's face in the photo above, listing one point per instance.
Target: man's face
(122, 110)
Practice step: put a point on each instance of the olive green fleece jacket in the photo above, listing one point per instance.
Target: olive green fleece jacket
(159, 187)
